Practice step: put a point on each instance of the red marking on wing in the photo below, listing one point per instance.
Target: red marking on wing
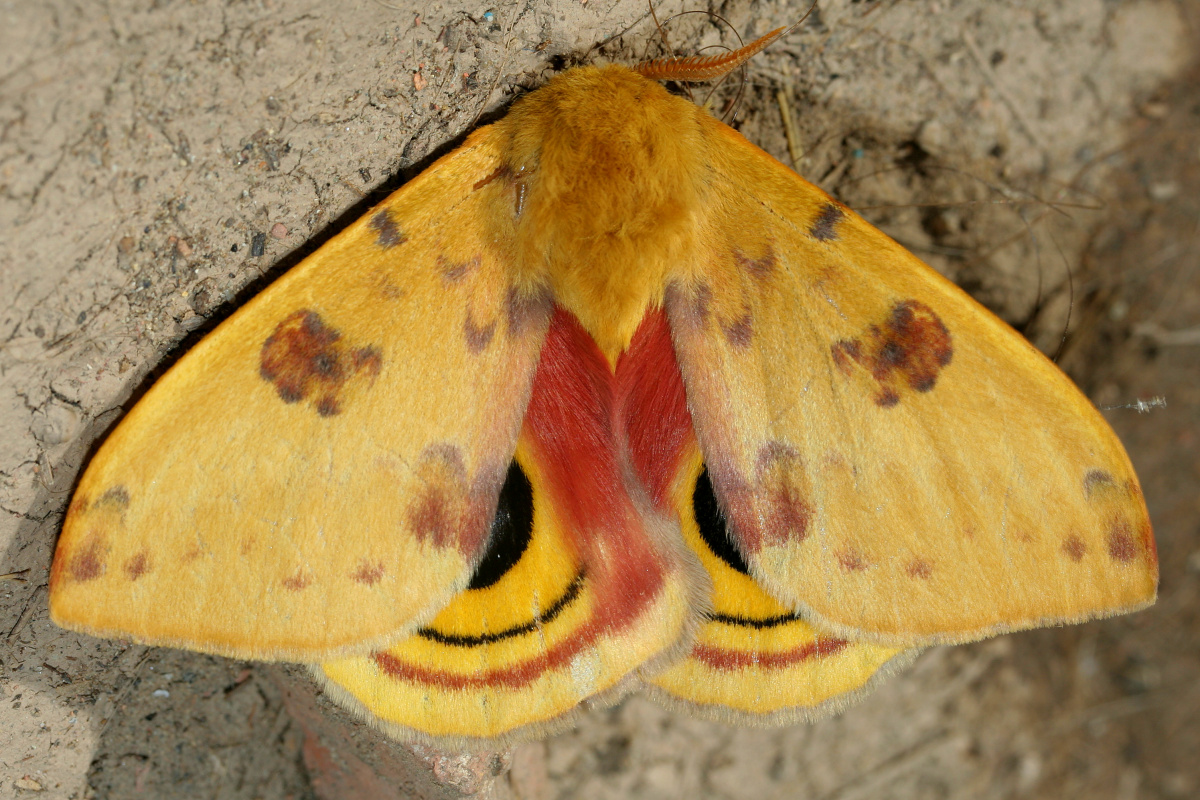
(447, 507)
(569, 429)
(652, 407)
(734, 660)
(511, 677)
(432, 518)
(783, 485)
(499, 172)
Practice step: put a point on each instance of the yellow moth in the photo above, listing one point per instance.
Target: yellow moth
(605, 398)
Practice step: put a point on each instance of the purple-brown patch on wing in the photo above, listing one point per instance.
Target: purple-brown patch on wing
(387, 288)
(824, 228)
(919, 568)
(1074, 548)
(739, 332)
(526, 312)
(306, 359)
(905, 352)
(783, 489)
(1097, 481)
(455, 271)
(87, 563)
(387, 231)
(368, 573)
(852, 561)
(137, 566)
(115, 497)
(1122, 546)
(690, 304)
(298, 581)
(443, 511)
(846, 353)
(758, 268)
(367, 360)
(435, 517)
(478, 336)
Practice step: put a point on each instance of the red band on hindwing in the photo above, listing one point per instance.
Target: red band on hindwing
(570, 437)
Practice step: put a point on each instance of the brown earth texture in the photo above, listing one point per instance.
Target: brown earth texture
(162, 160)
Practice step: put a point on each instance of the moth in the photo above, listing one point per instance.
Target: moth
(606, 398)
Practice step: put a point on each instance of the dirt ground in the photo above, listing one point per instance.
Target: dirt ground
(161, 160)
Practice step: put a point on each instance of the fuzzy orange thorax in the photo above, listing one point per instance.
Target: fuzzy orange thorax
(611, 172)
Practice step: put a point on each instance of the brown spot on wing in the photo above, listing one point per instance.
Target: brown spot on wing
(782, 489)
(739, 332)
(387, 230)
(759, 268)
(852, 561)
(905, 352)
(298, 581)
(137, 566)
(1074, 548)
(444, 511)
(824, 228)
(691, 303)
(1097, 481)
(455, 271)
(526, 312)
(435, 517)
(367, 360)
(1122, 545)
(368, 573)
(116, 497)
(87, 563)
(386, 287)
(919, 568)
(478, 336)
(308, 360)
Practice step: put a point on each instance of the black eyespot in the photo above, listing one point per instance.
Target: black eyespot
(713, 527)
(512, 528)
